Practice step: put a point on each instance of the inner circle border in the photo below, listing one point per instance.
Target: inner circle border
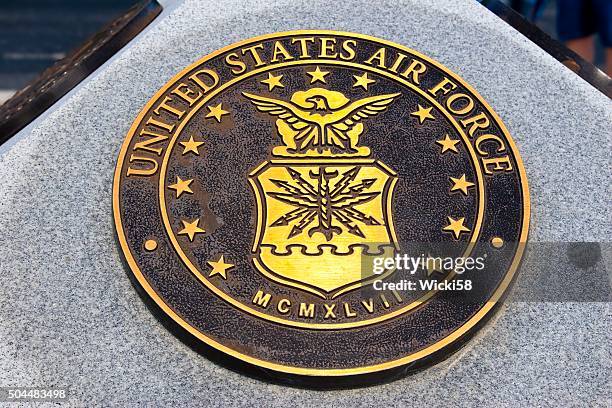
(427, 351)
(316, 326)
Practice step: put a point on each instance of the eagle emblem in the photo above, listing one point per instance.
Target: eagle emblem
(324, 206)
(321, 121)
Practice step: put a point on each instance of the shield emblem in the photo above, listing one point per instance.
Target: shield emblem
(320, 223)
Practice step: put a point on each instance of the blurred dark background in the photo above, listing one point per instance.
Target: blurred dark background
(579, 24)
(36, 33)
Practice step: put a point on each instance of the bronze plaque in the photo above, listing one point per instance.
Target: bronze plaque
(321, 203)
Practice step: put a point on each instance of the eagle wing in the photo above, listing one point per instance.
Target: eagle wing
(344, 120)
(362, 109)
(283, 110)
(305, 127)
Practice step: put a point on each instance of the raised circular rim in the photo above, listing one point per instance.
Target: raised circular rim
(448, 340)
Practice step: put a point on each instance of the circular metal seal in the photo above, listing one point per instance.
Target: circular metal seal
(321, 203)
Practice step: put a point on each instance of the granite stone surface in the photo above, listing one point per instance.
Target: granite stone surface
(70, 317)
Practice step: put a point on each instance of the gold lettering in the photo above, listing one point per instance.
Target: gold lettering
(261, 299)
(142, 172)
(208, 72)
(369, 305)
(283, 306)
(483, 138)
(233, 60)
(303, 45)
(380, 56)
(306, 310)
(349, 47)
(329, 311)
(466, 109)
(168, 108)
(442, 87)
(328, 45)
(280, 50)
(347, 310)
(384, 300)
(479, 121)
(497, 161)
(159, 124)
(254, 54)
(415, 69)
(398, 61)
(397, 296)
(186, 94)
(155, 138)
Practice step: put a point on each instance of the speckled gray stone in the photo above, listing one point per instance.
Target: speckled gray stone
(70, 317)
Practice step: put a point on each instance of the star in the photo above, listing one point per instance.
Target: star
(317, 75)
(216, 112)
(362, 81)
(191, 229)
(423, 114)
(181, 186)
(220, 267)
(456, 226)
(461, 184)
(273, 81)
(448, 144)
(191, 146)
